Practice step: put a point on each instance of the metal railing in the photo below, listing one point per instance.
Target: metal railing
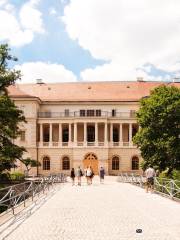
(105, 114)
(167, 187)
(14, 196)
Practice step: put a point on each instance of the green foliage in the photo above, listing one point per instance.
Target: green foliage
(5, 177)
(10, 115)
(159, 134)
(29, 163)
(17, 176)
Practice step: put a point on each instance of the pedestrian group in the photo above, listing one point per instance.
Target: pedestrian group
(88, 173)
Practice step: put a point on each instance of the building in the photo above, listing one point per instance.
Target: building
(81, 124)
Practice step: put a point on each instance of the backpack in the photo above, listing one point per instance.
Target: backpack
(81, 174)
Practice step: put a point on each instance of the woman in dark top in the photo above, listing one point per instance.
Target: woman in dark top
(72, 176)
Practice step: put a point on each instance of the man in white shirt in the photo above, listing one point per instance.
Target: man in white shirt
(150, 174)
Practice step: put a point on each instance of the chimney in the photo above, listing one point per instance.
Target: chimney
(140, 79)
(176, 79)
(39, 81)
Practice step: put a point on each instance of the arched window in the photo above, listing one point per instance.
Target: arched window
(65, 163)
(115, 163)
(46, 163)
(135, 163)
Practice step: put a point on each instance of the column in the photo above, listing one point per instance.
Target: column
(85, 134)
(120, 134)
(69, 133)
(105, 134)
(41, 134)
(60, 134)
(130, 133)
(96, 134)
(50, 134)
(75, 134)
(111, 132)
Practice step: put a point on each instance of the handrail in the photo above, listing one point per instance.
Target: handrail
(164, 186)
(106, 114)
(11, 197)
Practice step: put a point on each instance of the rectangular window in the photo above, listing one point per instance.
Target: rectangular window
(90, 113)
(23, 136)
(82, 113)
(132, 113)
(98, 112)
(113, 112)
(66, 112)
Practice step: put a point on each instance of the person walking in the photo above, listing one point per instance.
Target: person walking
(72, 176)
(150, 174)
(101, 174)
(92, 175)
(79, 174)
(85, 174)
(88, 175)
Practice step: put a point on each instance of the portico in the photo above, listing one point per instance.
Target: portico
(86, 134)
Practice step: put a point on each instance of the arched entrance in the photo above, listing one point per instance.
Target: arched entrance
(90, 159)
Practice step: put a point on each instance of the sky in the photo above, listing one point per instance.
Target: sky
(92, 40)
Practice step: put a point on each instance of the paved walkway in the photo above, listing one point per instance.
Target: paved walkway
(110, 211)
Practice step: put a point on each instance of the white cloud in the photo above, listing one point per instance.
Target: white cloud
(11, 30)
(52, 11)
(3, 2)
(129, 34)
(46, 71)
(31, 18)
(18, 33)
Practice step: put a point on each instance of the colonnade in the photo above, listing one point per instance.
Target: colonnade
(108, 135)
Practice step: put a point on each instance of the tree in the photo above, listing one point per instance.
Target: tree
(29, 163)
(159, 135)
(10, 115)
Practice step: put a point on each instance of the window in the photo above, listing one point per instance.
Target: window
(135, 163)
(98, 112)
(132, 113)
(46, 163)
(65, 163)
(115, 163)
(65, 135)
(82, 113)
(115, 135)
(90, 133)
(22, 136)
(113, 112)
(90, 113)
(66, 112)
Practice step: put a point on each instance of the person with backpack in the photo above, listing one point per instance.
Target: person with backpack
(79, 174)
(92, 175)
(88, 175)
(72, 176)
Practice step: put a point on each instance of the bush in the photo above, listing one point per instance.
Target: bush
(17, 176)
(176, 175)
(4, 177)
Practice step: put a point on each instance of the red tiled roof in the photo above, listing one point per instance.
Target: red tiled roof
(15, 91)
(88, 91)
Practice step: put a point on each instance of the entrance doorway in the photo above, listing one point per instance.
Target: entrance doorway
(90, 159)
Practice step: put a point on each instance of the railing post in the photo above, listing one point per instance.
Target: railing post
(172, 188)
(24, 196)
(32, 191)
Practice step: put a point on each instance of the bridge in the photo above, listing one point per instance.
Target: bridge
(110, 211)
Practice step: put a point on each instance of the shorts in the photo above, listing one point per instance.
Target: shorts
(150, 181)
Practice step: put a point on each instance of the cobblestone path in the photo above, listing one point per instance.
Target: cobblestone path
(110, 211)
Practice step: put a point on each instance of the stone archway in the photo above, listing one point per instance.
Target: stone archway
(91, 159)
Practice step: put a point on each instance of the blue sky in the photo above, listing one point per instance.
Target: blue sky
(88, 40)
(55, 46)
